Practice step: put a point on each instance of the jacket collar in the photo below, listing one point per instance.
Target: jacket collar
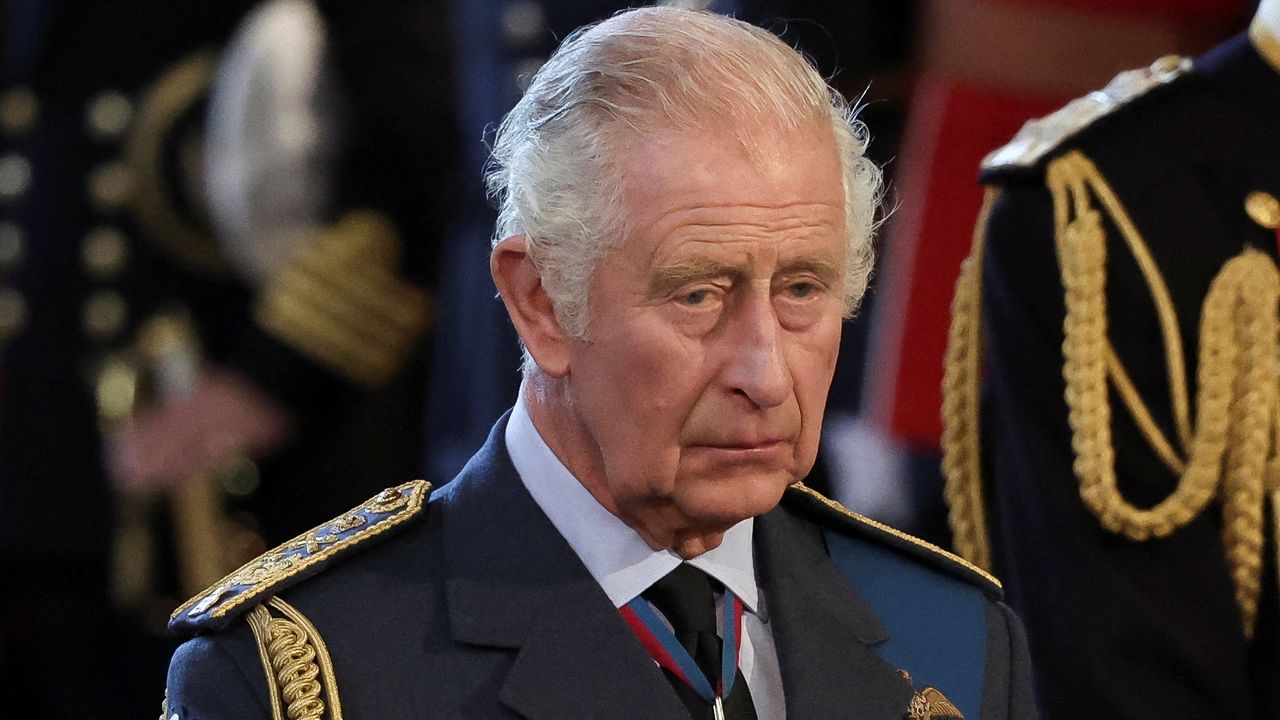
(514, 583)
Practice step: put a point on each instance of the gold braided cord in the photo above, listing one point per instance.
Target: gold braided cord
(322, 654)
(1254, 286)
(1230, 451)
(259, 619)
(961, 460)
(1081, 243)
(297, 664)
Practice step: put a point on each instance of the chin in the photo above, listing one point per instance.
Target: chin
(731, 500)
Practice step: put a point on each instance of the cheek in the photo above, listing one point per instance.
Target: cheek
(813, 366)
(644, 385)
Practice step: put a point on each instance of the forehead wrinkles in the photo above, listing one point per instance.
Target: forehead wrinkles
(722, 225)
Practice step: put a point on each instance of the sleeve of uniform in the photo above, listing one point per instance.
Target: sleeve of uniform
(1007, 694)
(209, 680)
(1119, 629)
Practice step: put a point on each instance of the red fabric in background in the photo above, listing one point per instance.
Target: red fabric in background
(952, 127)
(1160, 8)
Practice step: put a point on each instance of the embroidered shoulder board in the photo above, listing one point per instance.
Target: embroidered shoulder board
(843, 520)
(299, 558)
(1038, 138)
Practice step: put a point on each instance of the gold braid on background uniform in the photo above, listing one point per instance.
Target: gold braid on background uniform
(961, 459)
(1223, 456)
(296, 662)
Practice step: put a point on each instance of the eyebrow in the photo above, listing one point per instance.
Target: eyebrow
(671, 277)
(827, 271)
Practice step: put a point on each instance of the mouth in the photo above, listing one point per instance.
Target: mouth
(745, 448)
(760, 444)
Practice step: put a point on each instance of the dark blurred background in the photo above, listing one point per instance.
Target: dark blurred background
(244, 279)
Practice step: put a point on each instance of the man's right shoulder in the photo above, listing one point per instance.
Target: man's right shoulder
(294, 562)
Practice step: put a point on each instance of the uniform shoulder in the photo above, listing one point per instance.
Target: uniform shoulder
(834, 517)
(1043, 138)
(302, 557)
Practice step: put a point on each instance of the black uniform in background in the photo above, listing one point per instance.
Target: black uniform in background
(102, 226)
(77, 274)
(1121, 626)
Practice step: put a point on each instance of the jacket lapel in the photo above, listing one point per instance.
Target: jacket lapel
(514, 583)
(824, 632)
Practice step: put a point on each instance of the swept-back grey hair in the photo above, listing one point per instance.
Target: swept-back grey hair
(555, 172)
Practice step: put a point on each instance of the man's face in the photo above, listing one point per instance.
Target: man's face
(714, 331)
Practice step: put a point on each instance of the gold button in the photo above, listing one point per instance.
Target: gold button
(116, 388)
(110, 186)
(104, 253)
(108, 115)
(13, 313)
(104, 315)
(15, 177)
(1263, 208)
(12, 242)
(19, 111)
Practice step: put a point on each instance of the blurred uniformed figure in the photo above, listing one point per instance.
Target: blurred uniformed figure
(329, 166)
(984, 67)
(1122, 291)
(98, 106)
(141, 305)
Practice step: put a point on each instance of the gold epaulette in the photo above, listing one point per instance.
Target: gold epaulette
(1227, 453)
(1038, 138)
(299, 558)
(865, 526)
(340, 300)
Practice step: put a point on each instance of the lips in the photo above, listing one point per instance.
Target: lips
(761, 443)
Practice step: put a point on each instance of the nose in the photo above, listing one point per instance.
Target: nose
(756, 366)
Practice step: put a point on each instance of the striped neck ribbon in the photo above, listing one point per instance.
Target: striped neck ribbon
(671, 656)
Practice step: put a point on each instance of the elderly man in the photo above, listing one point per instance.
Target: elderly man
(685, 221)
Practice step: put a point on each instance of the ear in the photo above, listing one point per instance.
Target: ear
(520, 284)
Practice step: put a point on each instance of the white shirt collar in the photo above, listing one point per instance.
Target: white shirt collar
(616, 556)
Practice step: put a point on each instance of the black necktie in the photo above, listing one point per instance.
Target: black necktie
(686, 597)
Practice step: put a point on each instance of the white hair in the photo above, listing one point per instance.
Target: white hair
(555, 172)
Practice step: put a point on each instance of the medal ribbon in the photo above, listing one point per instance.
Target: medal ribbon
(671, 656)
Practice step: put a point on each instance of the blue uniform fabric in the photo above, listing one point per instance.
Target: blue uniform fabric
(480, 609)
(936, 624)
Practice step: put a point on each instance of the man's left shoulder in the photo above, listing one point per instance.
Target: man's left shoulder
(878, 548)
(944, 624)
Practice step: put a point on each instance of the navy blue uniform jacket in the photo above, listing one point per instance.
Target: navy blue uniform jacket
(478, 608)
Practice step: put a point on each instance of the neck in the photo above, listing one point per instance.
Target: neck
(660, 525)
(1264, 31)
